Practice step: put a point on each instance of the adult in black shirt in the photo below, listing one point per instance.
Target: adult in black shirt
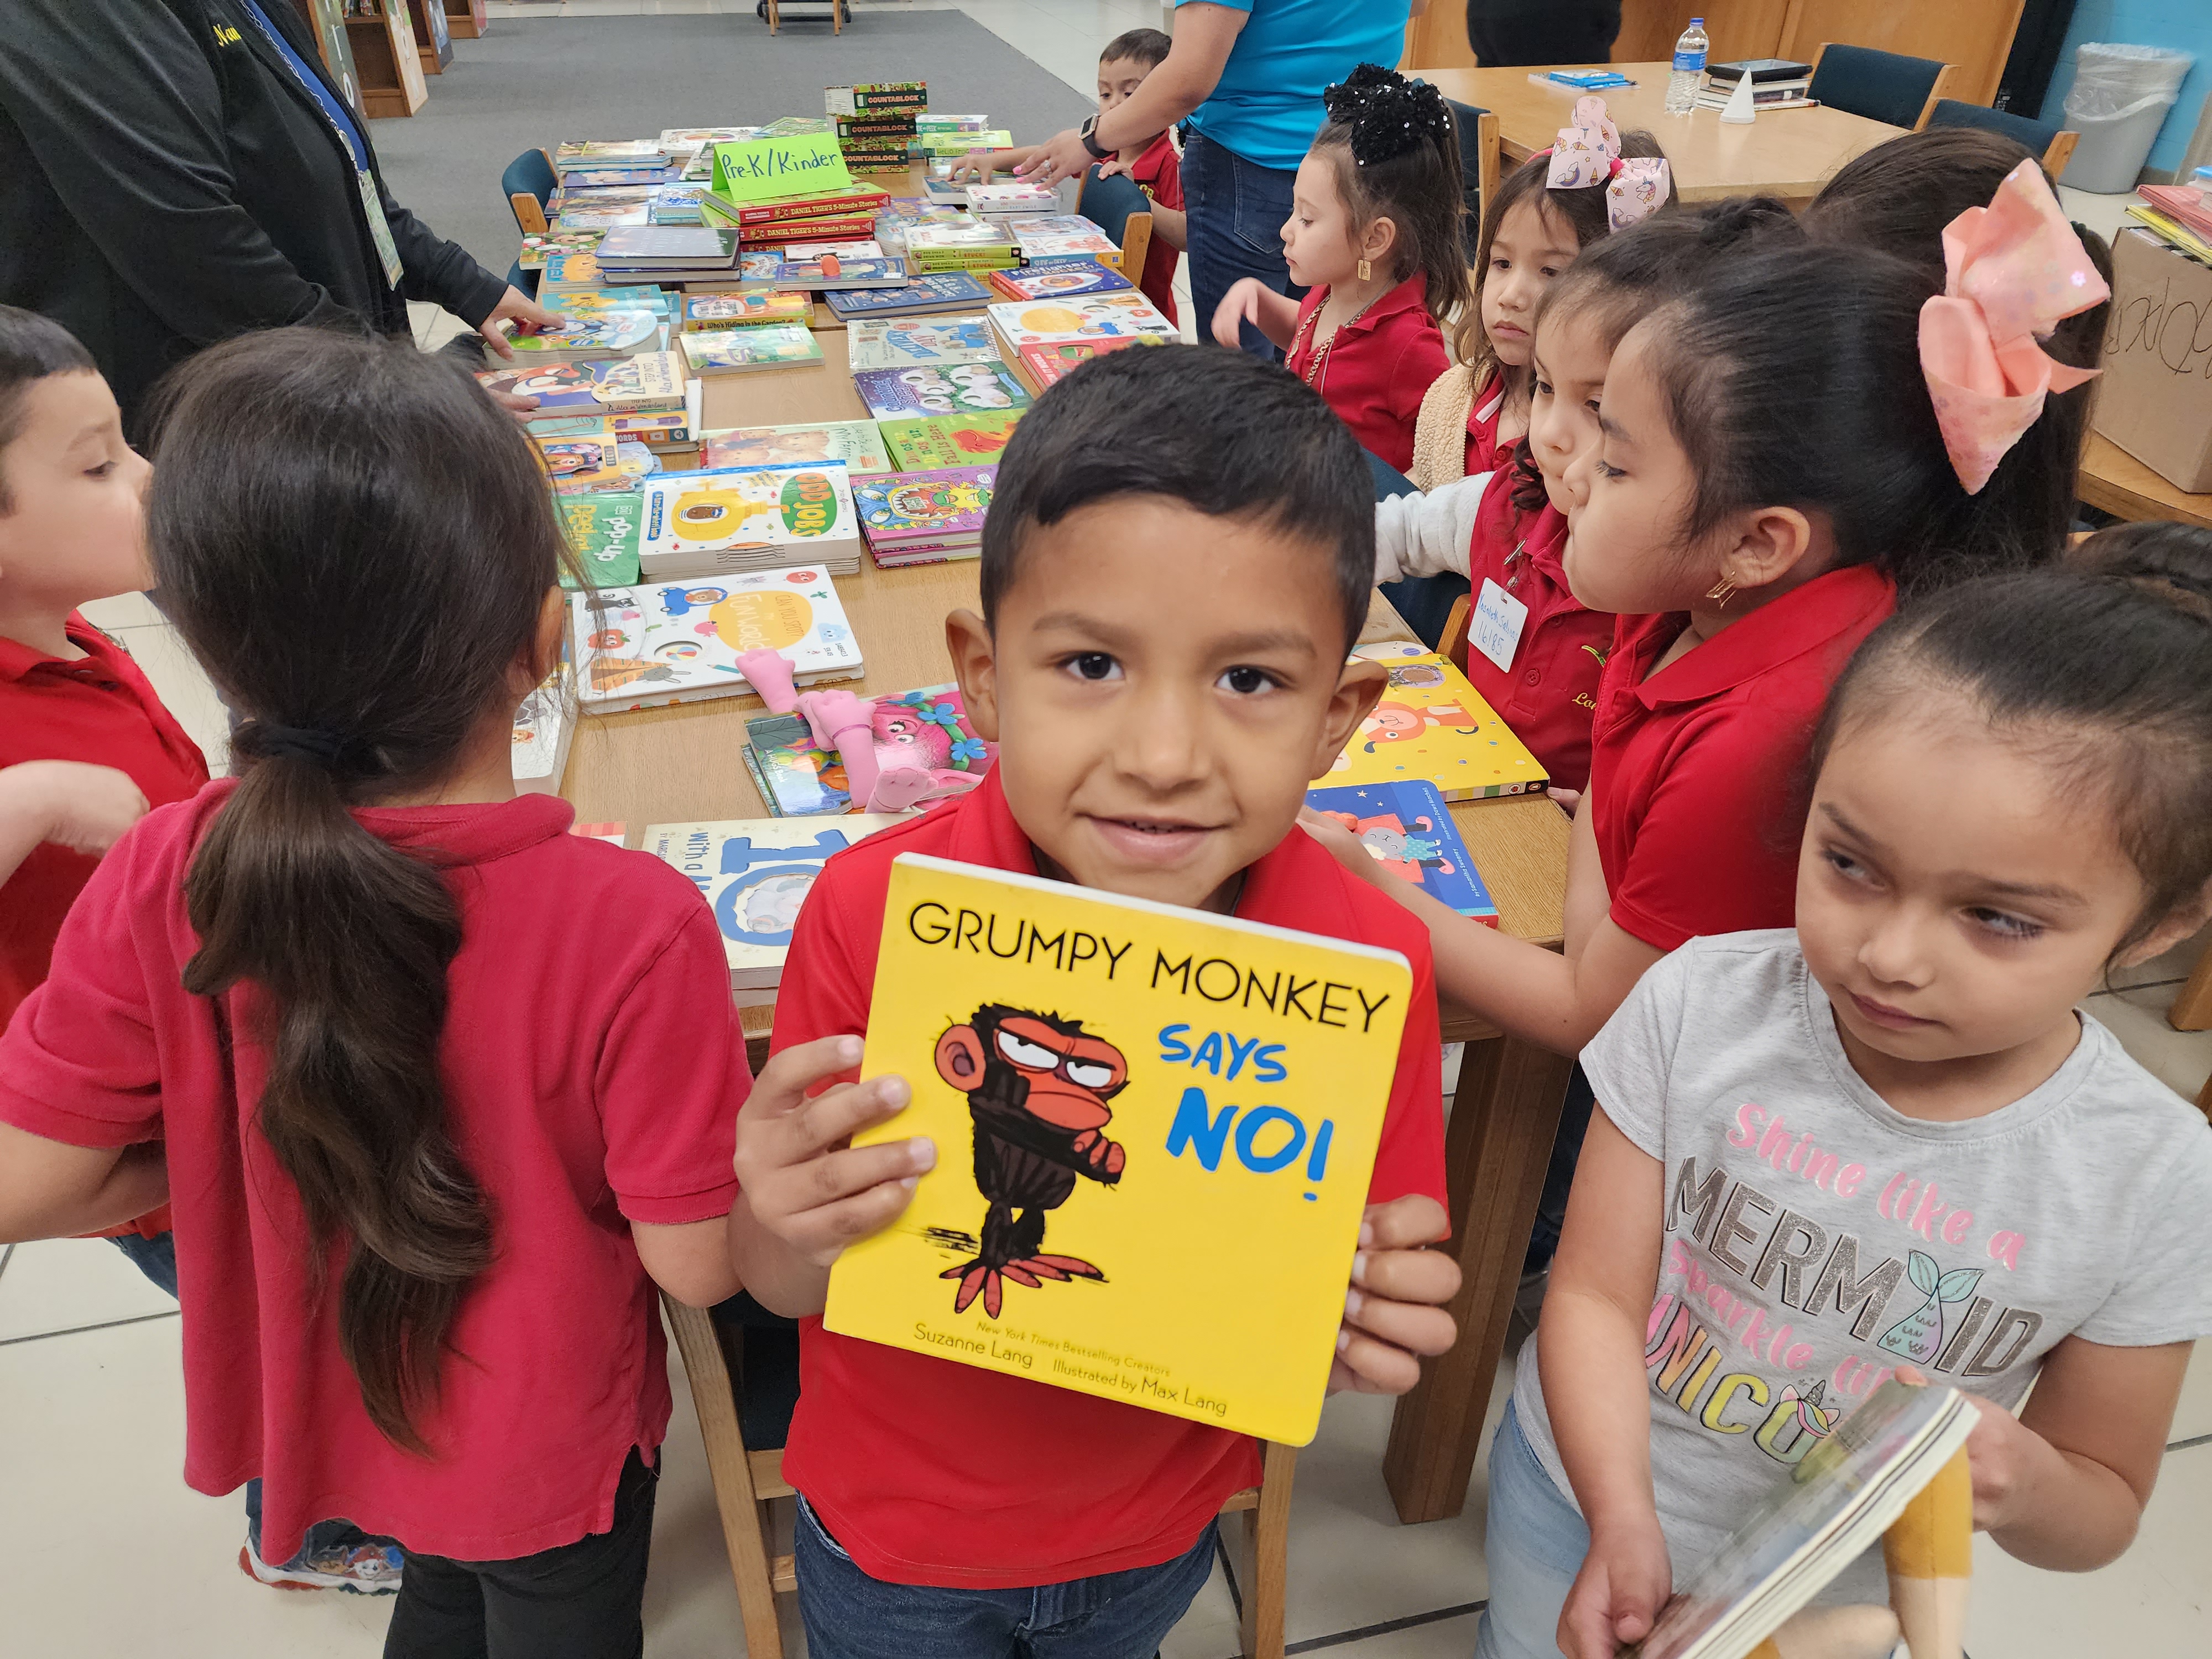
(170, 178)
(1512, 32)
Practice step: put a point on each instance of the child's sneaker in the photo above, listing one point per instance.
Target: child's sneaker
(355, 1565)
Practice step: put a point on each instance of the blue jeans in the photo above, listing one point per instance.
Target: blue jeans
(1115, 1616)
(1534, 1544)
(1236, 208)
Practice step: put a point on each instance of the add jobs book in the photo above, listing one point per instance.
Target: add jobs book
(1155, 1129)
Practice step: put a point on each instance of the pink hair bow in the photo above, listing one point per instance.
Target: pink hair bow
(2012, 270)
(1588, 153)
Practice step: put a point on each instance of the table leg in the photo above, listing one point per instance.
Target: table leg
(1496, 1148)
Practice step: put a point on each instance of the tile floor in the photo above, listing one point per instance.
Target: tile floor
(91, 1410)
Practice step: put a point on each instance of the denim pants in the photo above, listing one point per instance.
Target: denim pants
(1236, 208)
(1534, 1544)
(1114, 1615)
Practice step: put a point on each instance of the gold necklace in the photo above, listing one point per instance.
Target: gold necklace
(1317, 369)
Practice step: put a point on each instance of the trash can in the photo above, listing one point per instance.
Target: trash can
(2117, 102)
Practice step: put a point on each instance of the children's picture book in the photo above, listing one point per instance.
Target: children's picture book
(857, 247)
(660, 432)
(668, 643)
(940, 440)
(1431, 724)
(615, 835)
(540, 245)
(1064, 280)
(1040, 366)
(1056, 236)
(676, 204)
(545, 726)
(920, 518)
(795, 775)
(704, 314)
(1009, 198)
(1087, 317)
(893, 394)
(790, 126)
(578, 181)
(591, 301)
(581, 339)
(908, 343)
(947, 290)
(684, 143)
(748, 518)
(974, 245)
(840, 203)
(608, 152)
(858, 444)
(736, 351)
(1407, 830)
(1118, 1090)
(569, 269)
(591, 466)
(908, 96)
(649, 383)
(604, 529)
(606, 211)
(1832, 1505)
(755, 875)
(833, 270)
(645, 245)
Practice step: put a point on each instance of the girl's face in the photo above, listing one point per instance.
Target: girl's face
(1532, 246)
(1317, 238)
(1566, 380)
(1629, 493)
(1957, 891)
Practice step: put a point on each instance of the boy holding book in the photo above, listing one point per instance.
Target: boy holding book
(1175, 563)
(1153, 165)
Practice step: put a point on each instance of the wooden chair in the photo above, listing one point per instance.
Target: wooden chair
(747, 1481)
(1478, 160)
(2043, 137)
(1881, 86)
(1457, 625)
(1119, 207)
(528, 185)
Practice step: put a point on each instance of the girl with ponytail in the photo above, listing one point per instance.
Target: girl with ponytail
(439, 1092)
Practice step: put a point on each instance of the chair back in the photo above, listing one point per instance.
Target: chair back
(2042, 138)
(1107, 203)
(528, 185)
(1881, 86)
(1477, 164)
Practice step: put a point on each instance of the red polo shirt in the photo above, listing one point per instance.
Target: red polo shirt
(1377, 367)
(1550, 692)
(930, 1473)
(594, 1071)
(1158, 173)
(1700, 802)
(1483, 409)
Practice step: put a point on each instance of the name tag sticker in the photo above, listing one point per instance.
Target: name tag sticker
(1498, 619)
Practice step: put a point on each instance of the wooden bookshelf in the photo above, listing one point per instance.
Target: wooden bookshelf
(387, 62)
(434, 42)
(466, 19)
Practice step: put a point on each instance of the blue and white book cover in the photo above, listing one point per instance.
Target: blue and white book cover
(1407, 830)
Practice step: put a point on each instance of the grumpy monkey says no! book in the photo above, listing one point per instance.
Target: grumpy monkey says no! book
(1155, 1129)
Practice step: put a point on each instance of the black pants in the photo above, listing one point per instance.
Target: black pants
(1511, 31)
(582, 1601)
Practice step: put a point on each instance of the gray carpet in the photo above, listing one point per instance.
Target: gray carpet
(536, 81)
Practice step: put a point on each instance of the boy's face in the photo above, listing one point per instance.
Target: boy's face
(1162, 685)
(75, 527)
(1117, 78)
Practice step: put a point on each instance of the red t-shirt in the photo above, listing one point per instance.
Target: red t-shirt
(1158, 171)
(930, 1473)
(98, 709)
(593, 1070)
(1699, 805)
(1377, 367)
(1549, 693)
(1483, 453)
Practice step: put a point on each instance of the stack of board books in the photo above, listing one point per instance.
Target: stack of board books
(650, 383)
(995, 201)
(706, 313)
(585, 456)
(584, 154)
(1119, 314)
(728, 521)
(1407, 830)
(924, 518)
(755, 875)
(1775, 84)
(654, 644)
(858, 444)
(975, 245)
(950, 290)
(1058, 279)
(913, 393)
(1431, 724)
(876, 123)
(594, 337)
(540, 245)
(694, 147)
(831, 265)
(603, 531)
(1039, 365)
(1046, 239)
(667, 254)
(833, 213)
(735, 350)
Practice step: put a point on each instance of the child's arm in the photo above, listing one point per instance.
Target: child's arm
(82, 807)
(1250, 300)
(2063, 1485)
(804, 1193)
(1171, 226)
(1423, 534)
(1590, 1351)
(981, 164)
(50, 1190)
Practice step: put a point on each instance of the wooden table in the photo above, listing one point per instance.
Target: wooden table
(681, 763)
(1789, 152)
(2115, 481)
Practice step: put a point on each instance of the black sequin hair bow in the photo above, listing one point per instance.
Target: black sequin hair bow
(1388, 114)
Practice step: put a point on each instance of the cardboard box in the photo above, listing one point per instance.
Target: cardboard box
(2155, 401)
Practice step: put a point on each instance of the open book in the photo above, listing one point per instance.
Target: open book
(1834, 1504)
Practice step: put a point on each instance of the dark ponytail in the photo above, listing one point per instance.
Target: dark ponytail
(356, 543)
(2104, 666)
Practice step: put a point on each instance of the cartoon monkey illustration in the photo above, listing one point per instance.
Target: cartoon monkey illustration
(1037, 1087)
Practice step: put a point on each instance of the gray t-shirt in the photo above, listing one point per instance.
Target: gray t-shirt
(1815, 1238)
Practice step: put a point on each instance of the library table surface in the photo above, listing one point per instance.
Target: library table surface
(2115, 481)
(681, 763)
(1788, 153)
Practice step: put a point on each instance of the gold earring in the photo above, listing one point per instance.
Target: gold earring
(1722, 592)
(1365, 271)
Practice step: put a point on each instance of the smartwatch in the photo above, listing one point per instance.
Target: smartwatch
(1098, 151)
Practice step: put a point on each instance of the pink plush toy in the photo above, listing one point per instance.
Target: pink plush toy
(839, 721)
(768, 674)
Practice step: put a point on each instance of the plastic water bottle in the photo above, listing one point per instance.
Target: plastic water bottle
(1689, 71)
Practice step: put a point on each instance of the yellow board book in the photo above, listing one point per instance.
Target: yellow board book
(1431, 724)
(1155, 1128)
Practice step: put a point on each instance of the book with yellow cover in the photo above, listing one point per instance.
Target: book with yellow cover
(1431, 724)
(1155, 1128)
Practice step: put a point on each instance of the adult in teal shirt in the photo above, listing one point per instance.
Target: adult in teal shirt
(1245, 78)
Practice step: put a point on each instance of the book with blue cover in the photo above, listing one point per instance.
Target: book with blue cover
(943, 290)
(1407, 830)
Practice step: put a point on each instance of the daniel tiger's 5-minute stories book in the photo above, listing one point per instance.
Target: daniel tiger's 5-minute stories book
(1155, 1128)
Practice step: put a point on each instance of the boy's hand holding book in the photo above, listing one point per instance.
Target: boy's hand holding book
(1394, 1312)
